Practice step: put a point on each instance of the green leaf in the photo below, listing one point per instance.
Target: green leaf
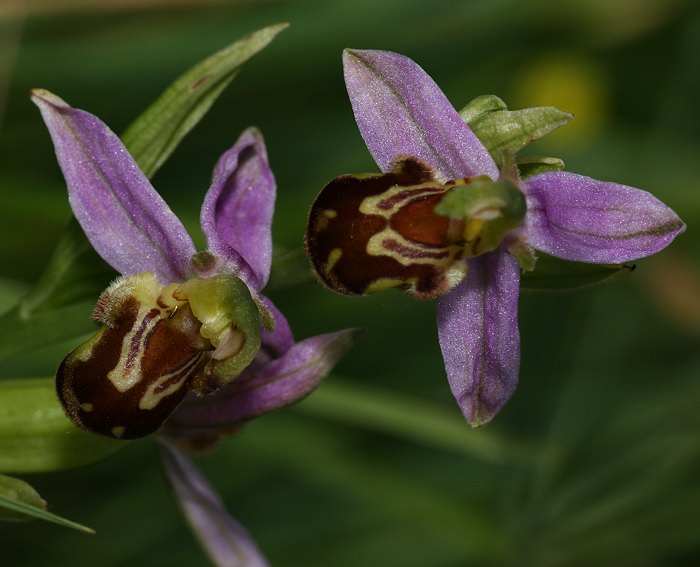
(552, 275)
(502, 130)
(324, 457)
(410, 418)
(19, 501)
(59, 306)
(156, 133)
(74, 272)
(23, 331)
(57, 309)
(36, 435)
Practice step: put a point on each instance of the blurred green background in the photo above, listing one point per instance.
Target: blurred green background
(596, 459)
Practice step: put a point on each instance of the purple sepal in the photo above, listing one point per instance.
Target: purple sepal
(126, 221)
(237, 211)
(578, 218)
(227, 542)
(271, 386)
(478, 332)
(402, 112)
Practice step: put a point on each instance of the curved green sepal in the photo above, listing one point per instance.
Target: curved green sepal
(230, 320)
(35, 434)
(490, 209)
(560, 276)
(500, 129)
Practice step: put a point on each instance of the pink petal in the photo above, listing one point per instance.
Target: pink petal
(237, 210)
(478, 332)
(582, 219)
(227, 542)
(124, 218)
(274, 385)
(402, 112)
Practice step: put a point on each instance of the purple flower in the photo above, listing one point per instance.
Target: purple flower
(180, 323)
(370, 232)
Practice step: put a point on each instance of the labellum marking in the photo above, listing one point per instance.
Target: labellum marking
(333, 258)
(118, 431)
(127, 379)
(368, 233)
(127, 373)
(168, 384)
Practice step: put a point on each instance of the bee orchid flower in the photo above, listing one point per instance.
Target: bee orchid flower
(370, 232)
(187, 347)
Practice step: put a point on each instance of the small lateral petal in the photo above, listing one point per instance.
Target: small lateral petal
(402, 112)
(478, 332)
(272, 386)
(578, 218)
(126, 221)
(226, 541)
(238, 208)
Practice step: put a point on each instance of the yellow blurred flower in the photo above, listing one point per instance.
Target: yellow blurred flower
(571, 82)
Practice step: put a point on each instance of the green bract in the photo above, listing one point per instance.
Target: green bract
(500, 129)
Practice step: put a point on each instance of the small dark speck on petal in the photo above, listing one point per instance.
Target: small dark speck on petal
(199, 82)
